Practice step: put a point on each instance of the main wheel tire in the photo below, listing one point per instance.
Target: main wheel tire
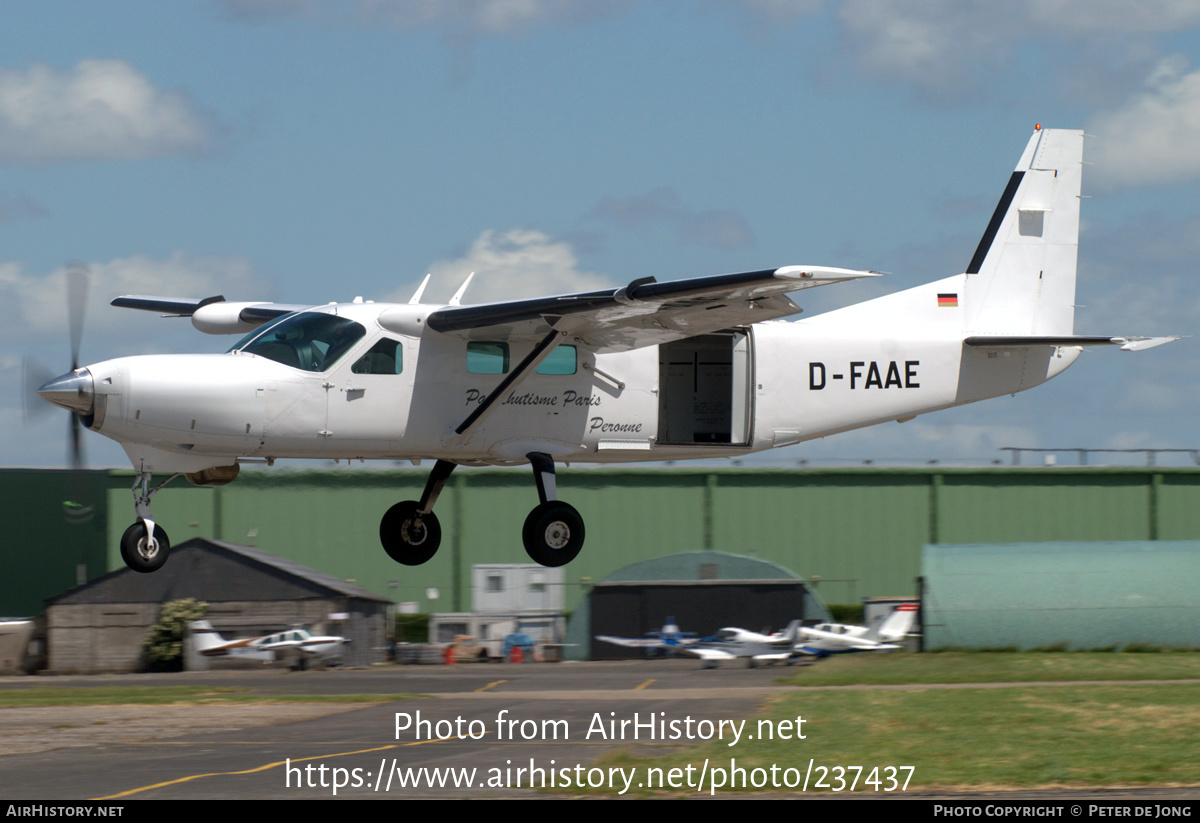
(553, 533)
(407, 537)
(136, 551)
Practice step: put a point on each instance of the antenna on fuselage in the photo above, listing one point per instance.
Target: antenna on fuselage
(458, 295)
(416, 298)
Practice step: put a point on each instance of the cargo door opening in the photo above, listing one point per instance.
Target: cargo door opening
(704, 390)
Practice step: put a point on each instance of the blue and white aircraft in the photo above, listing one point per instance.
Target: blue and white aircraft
(884, 635)
(669, 639)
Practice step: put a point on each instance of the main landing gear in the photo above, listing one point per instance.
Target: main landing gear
(553, 533)
(144, 545)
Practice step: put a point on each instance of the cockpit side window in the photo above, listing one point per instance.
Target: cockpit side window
(385, 357)
(311, 341)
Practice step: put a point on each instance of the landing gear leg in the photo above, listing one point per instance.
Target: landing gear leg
(553, 533)
(410, 532)
(144, 545)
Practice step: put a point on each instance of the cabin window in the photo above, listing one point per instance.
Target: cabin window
(560, 361)
(487, 358)
(385, 357)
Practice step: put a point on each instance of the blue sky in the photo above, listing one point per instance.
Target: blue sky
(312, 151)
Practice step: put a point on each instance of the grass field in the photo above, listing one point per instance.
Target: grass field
(1014, 736)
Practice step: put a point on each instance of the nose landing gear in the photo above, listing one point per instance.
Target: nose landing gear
(144, 545)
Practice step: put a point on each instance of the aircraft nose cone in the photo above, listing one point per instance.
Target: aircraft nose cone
(72, 391)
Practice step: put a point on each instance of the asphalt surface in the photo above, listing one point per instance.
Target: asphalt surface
(484, 731)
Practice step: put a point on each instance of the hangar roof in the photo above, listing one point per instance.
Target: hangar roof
(215, 571)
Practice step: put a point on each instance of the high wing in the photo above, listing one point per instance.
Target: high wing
(645, 312)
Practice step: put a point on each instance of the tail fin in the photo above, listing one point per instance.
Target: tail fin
(1021, 280)
(205, 636)
(896, 626)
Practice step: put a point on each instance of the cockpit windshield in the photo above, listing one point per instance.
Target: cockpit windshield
(308, 340)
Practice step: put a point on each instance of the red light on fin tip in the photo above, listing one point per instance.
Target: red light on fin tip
(1037, 126)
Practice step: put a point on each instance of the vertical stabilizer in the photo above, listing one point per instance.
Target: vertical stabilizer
(1021, 280)
(896, 626)
(205, 636)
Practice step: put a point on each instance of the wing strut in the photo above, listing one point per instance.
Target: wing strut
(540, 352)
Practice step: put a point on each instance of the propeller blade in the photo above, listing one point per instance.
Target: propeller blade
(77, 289)
(76, 446)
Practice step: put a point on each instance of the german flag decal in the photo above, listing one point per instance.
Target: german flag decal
(948, 301)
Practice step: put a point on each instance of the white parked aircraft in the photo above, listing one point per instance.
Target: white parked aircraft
(733, 643)
(668, 640)
(837, 638)
(294, 645)
(650, 371)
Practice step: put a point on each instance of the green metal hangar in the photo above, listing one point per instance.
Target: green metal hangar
(851, 533)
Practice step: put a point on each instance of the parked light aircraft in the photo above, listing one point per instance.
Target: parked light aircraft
(837, 638)
(733, 643)
(650, 371)
(294, 645)
(668, 640)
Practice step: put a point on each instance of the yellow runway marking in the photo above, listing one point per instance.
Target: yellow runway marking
(489, 685)
(263, 768)
(644, 685)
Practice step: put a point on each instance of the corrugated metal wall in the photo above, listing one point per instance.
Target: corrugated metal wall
(858, 530)
(1078, 595)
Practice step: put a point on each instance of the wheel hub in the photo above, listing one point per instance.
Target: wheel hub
(147, 547)
(558, 535)
(414, 532)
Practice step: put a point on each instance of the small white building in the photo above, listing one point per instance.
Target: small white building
(506, 598)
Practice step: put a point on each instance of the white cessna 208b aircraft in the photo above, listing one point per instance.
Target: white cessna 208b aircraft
(650, 371)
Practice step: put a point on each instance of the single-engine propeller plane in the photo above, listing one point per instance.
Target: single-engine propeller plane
(732, 643)
(295, 645)
(665, 641)
(649, 371)
(883, 635)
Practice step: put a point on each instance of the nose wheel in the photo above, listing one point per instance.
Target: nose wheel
(142, 554)
(144, 545)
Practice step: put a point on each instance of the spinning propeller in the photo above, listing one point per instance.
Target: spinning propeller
(73, 390)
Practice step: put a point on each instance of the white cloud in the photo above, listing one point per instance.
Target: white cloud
(33, 307)
(942, 48)
(952, 51)
(510, 265)
(99, 110)
(1152, 138)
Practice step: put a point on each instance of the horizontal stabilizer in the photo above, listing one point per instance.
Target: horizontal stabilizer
(1011, 341)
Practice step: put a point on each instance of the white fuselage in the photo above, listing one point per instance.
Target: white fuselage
(725, 394)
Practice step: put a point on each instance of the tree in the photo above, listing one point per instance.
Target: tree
(163, 647)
